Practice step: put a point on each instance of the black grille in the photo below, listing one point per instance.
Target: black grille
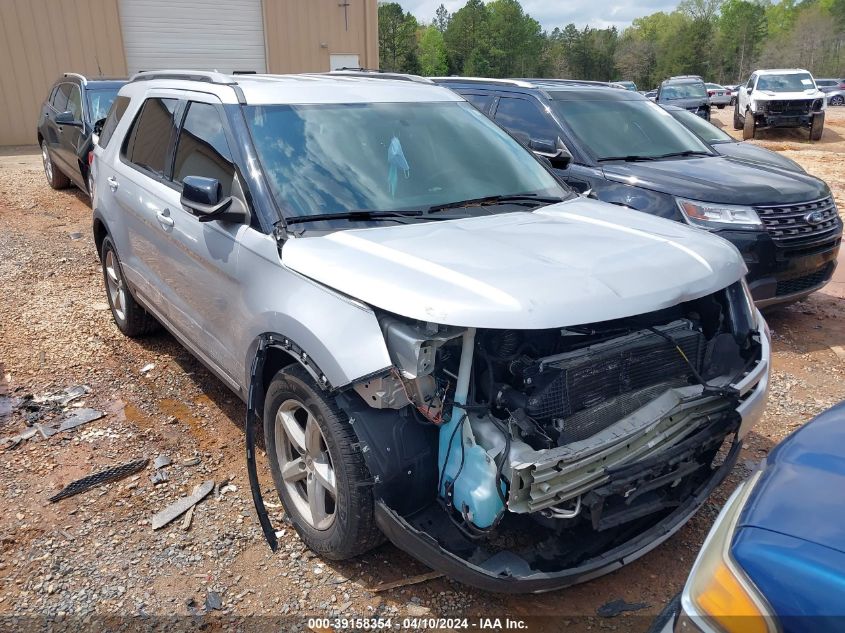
(789, 226)
(795, 107)
(590, 378)
(799, 284)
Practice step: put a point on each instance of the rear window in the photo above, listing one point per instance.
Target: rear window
(693, 90)
(148, 141)
(112, 119)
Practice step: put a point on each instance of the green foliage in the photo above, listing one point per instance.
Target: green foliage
(721, 40)
(397, 38)
(432, 52)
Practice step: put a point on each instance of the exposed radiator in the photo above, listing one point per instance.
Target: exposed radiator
(584, 391)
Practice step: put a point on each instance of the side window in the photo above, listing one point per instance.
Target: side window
(202, 149)
(60, 99)
(482, 102)
(525, 118)
(147, 142)
(74, 102)
(750, 83)
(112, 119)
(52, 98)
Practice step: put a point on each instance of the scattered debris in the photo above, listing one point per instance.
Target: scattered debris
(100, 306)
(147, 368)
(839, 351)
(70, 421)
(14, 440)
(62, 398)
(213, 601)
(616, 607)
(159, 477)
(174, 510)
(161, 461)
(189, 517)
(193, 461)
(108, 475)
(404, 582)
(76, 235)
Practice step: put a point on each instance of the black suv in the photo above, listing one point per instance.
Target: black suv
(686, 91)
(66, 127)
(619, 147)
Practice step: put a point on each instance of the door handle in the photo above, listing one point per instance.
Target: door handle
(164, 219)
(112, 183)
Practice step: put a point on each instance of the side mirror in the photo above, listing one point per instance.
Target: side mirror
(98, 126)
(749, 90)
(203, 197)
(66, 118)
(554, 151)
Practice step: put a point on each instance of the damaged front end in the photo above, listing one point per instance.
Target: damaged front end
(525, 461)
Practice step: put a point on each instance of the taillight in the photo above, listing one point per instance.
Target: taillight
(710, 93)
(727, 93)
(842, 86)
(90, 158)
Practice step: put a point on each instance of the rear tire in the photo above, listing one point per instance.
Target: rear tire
(838, 100)
(817, 127)
(128, 315)
(749, 127)
(326, 489)
(55, 178)
(737, 119)
(721, 106)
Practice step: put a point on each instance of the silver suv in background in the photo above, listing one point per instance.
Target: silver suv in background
(442, 344)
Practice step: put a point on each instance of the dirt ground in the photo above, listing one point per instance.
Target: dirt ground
(96, 554)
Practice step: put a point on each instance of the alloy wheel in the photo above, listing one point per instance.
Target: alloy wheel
(116, 287)
(48, 164)
(305, 464)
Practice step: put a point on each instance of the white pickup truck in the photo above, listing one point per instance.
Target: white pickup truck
(780, 98)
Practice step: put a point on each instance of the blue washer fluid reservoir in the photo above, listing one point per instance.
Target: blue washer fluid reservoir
(469, 472)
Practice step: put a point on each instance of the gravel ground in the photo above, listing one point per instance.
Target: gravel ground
(96, 554)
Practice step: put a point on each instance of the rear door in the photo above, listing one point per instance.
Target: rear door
(136, 186)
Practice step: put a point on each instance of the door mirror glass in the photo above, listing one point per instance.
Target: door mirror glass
(203, 197)
(66, 118)
(749, 90)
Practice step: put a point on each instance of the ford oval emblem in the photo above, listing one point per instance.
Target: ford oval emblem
(814, 217)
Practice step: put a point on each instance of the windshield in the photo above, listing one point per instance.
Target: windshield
(338, 158)
(683, 91)
(702, 129)
(99, 102)
(610, 129)
(793, 82)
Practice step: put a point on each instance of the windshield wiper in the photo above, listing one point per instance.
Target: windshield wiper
(526, 199)
(634, 158)
(355, 215)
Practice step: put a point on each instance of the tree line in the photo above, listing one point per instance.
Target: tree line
(721, 40)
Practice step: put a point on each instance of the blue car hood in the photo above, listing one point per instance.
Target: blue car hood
(802, 490)
(719, 179)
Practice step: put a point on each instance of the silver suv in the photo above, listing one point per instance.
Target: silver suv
(520, 386)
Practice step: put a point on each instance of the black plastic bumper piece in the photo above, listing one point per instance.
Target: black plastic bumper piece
(511, 574)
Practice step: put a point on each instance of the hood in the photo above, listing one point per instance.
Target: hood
(757, 155)
(802, 490)
(765, 95)
(686, 104)
(579, 261)
(718, 179)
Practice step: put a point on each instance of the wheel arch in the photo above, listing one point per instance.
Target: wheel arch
(100, 230)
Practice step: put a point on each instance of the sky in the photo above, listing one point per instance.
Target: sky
(552, 13)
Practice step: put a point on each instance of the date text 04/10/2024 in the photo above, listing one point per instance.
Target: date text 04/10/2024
(432, 623)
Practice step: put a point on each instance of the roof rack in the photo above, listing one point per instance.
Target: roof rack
(505, 82)
(378, 74)
(573, 82)
(208, 76)
(78, 76)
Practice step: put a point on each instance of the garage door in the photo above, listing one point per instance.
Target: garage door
(197, 34)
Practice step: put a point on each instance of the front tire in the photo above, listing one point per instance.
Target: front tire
(749, 127)
(737, 119)
(55, 178)
(817, 127)
(320, 475)
(128, 315)
(838, 100)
